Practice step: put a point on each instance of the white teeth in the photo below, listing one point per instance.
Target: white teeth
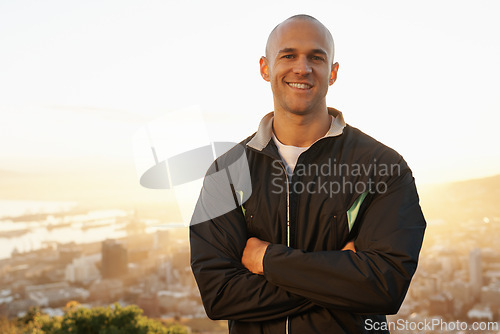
(299, 85)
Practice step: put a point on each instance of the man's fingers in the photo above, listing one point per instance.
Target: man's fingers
(349, 246)
(253, 255)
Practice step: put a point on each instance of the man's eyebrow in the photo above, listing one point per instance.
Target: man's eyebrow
(323, 52)
(286, 50)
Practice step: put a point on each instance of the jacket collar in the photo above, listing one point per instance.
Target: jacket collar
(265, 131)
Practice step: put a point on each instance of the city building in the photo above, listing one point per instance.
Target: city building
(83, 269)
(475, 272)
(114, 262)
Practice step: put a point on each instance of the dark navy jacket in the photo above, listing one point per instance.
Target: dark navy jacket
(346, 186)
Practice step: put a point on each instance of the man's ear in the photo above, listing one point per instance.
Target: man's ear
(333, 77)
(264, 68)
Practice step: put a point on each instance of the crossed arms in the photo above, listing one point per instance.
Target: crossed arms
(255, 249)
(371, 280)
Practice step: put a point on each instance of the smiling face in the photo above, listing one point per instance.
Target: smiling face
(298, 64)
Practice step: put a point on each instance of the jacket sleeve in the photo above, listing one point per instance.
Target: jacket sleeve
(228, 290)
(375, 279)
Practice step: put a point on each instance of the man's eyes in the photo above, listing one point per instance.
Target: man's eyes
(318, 58)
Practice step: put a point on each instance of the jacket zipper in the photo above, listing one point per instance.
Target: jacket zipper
(287, 225)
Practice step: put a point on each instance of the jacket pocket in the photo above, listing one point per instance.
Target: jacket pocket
(251, 228)
(339, 230)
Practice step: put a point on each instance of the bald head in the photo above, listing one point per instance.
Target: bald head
(271, 40)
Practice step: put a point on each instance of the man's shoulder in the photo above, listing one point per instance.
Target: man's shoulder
(367, 145)
(231, 152)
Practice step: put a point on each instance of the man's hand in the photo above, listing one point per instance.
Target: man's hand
(349, 246)
(253, 255)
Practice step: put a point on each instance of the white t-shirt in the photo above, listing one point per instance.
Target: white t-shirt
(290, 154)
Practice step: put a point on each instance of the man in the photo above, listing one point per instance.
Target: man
(329, 238)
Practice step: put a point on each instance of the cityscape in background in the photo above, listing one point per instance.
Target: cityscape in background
(99, 257)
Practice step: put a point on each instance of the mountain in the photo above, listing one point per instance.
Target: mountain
(462, 201)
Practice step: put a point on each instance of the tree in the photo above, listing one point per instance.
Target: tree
(8, 327)
(113, 319)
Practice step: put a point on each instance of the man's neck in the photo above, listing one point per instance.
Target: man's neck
(300, 130)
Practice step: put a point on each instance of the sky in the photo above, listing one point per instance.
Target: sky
(78, 79)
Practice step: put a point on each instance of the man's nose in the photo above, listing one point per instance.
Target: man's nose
(302, 66)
